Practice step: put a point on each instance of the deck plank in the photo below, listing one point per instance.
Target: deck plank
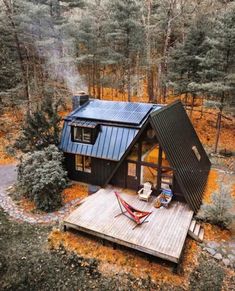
(163, 235)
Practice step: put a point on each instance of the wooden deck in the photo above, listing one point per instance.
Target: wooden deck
(163, 236)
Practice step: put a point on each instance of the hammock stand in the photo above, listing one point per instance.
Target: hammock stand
(134, 214)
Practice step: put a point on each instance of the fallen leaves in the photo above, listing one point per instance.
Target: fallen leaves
(211, 186)
(77, 190)
(27, 205)
(124, 260)
(206, 129)
(215, 233)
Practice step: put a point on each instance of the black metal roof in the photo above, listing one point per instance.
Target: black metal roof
(183, 150)
(113, 111)
(119, 123)
(110, 144)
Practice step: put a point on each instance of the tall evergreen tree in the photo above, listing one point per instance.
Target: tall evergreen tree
(40, 128)
(124, 33)
(218, 64)
(184, 62)
(10, 73)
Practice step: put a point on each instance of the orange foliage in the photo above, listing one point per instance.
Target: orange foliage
(211, 186)
(205, 126)
(206, 129)
(27, 205)
(215, 233)
(191, 254)
(65, 113)
(116, 95)
(77, 190)
(6, 160)
(119, 260)
(9, 130)
(233, 191)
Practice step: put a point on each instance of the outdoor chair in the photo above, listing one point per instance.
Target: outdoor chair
(145, 192)
(164, 198)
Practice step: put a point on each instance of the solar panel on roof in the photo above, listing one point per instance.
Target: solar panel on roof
(123, 112)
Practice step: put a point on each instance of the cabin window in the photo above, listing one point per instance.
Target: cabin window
(149, 152)
(133, 156)
(79, 163)
(81, 134)
(83, 163)
(196, 152)
(86, 134)
(131, 169)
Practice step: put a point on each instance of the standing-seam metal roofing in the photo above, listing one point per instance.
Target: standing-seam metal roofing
(177, 137)
(119, 123)
(110, 144)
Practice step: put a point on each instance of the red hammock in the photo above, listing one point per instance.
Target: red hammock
(135, 214)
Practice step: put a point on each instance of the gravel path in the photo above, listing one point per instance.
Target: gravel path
(8, 178)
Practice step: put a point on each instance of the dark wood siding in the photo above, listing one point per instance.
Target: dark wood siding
(100, 170)
(119, 178)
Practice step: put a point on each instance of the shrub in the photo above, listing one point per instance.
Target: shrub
(207, 276)
(41, 177)
(219, 212)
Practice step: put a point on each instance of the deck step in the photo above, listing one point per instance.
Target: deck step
(192, 225)
(201, 234)
(196, 231)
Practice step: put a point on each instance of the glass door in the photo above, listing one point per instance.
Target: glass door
(132, 179)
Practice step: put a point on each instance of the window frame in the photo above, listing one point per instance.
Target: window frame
(83, 134)
(83, 167)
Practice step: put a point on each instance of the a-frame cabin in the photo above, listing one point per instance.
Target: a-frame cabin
(127, 144)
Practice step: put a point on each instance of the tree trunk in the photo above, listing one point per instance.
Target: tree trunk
(128, 84)
(202, 104)
(150, 85)
(148, 55)
(186, 99)
(159, 75)
(165, 52)
(93, 78)
(192, 105)
(218, 124)
(98, 85)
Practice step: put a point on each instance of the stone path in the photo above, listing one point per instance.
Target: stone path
(223, 251)
(7, 178)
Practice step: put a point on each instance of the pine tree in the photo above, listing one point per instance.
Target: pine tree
(218, 64)
(217, 71)
(184, 63)
(10, 73)
(92, 49)
(41, 128)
